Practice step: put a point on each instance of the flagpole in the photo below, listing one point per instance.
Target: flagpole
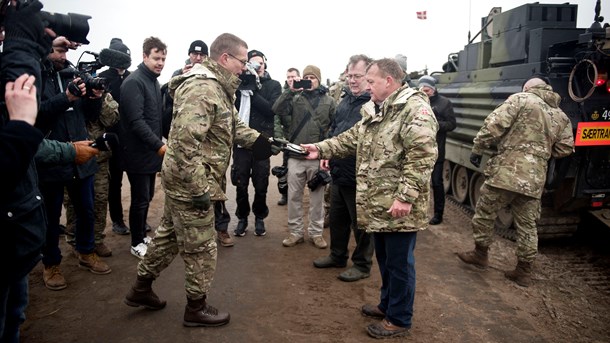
(469, 17)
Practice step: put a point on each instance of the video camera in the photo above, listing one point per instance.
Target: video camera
(73, 26)
(249, 79)
(85, 71)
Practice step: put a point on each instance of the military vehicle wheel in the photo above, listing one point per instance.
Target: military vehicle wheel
(459, 184)
(447, 176)
(476, 181)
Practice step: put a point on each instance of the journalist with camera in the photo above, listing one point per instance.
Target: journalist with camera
(255, 97)
(307, 114)
(64, 112)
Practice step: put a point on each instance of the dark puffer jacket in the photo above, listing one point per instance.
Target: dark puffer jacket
(141, 122)
(343, 170)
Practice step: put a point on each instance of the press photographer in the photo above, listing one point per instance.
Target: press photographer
(255, 97)
(64, 116)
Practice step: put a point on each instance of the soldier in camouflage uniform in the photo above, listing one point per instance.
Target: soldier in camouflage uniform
(528, 129)
(395, 148)
(204, 128)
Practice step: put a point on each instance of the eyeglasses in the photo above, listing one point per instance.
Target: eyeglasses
(356, 77)
(243, 62)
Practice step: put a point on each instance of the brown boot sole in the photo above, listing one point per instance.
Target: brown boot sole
(56, 288)
(135, 304)
(95, 271)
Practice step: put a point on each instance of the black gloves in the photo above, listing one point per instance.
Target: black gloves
(475, 159)
(202, 202)
(24, 22)
(261, 149)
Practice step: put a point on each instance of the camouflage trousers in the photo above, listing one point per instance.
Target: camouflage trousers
(100, 206)
(190, 232)
(525, 211)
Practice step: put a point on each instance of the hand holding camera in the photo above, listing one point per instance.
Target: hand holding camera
(301, 84)
(320, 178)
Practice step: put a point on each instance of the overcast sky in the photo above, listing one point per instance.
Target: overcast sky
(296, 33)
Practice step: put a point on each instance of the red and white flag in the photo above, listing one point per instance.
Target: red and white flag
(421, 15)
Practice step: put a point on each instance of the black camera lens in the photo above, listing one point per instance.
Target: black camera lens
(73, 26)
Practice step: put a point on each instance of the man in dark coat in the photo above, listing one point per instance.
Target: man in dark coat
(254, 105)
(443, 111)
(140, 135)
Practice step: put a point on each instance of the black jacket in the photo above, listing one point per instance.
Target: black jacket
(140, 127)
(60, 120)
(261, 114)
(443, 110)
(22, 217)
(343, 170)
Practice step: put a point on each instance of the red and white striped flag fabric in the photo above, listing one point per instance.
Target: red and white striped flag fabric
(421, 15)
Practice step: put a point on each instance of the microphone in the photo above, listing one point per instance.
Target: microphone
(115, 59)
(106, 142)
(92, 53)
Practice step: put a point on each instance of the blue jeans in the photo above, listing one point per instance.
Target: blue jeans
(394, 252)
(80, 192)
(14, 300)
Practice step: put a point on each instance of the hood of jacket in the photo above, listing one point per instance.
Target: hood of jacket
(545, 92)
(208, 69)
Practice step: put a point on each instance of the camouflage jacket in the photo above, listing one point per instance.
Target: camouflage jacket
(395, 154)
(109, 116)
(204, 127)
(528, 128)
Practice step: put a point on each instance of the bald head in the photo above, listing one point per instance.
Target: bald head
(533, 82)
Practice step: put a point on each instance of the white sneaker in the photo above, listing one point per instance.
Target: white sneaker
(147, 240)
(139, 250)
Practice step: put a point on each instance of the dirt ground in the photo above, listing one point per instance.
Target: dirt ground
(274, 294)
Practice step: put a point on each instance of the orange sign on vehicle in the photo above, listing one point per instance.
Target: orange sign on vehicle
(592, 133)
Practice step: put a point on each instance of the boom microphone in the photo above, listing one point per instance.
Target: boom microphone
(115, 59)
(107, 142)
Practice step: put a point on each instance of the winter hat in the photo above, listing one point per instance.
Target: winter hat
(253, 53)
(117, 44)
(402, 61)
(428, 81)
(313, 70)
(199, 46)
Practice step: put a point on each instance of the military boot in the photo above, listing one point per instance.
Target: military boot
(199, 313)
(477, 257)
(522, 274)
(141, 294)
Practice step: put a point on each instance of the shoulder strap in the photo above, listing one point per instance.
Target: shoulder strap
(300, 127)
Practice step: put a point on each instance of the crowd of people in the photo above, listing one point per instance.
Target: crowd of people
(64, 136)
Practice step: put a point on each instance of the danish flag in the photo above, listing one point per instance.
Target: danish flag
(421, 15)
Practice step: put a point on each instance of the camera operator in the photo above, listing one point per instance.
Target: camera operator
(63, 114)
(254, 103)
(116, 74)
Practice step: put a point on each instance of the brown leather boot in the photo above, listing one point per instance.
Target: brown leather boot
(199, 313)
(141, 294)
(522, 274)
(477, 257)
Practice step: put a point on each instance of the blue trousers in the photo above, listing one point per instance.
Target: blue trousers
(81, 193)
(13, 301)
(394, 253)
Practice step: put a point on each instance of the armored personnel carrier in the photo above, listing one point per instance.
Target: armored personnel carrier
(535, 38)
